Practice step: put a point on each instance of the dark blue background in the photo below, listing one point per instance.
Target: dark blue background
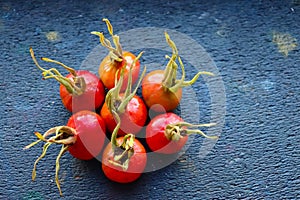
(258, 154)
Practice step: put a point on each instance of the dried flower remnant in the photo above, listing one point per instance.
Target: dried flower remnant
(285, 42)
(53, 36)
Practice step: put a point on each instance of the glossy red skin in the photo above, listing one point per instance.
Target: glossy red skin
(90, 132)
(136, 166)
(132, 120)
(91, 99)
(156, 96)
(155, 134)
(108, 69)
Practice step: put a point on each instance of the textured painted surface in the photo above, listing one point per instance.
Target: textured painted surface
(258, 154)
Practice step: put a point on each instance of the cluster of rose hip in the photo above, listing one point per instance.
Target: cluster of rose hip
(108, 107)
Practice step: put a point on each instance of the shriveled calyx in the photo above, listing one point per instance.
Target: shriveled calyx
(114, 100)
(115, 53)
(75, 86)
(64, 135)
(178, 130)
(124, 151)
(170, 82)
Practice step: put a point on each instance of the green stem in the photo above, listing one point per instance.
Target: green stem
(129, 82)
(171, 68)
(170, 72)
(109, 26)
(64, 148)
(113, 99)
(61, 135)
(128, 95)
(169, 82)
(112, 96)
(116, 52)
(119, 83)
(178, 83)
(71, 70)
(180, 129)
(191, 82)
(171, 44)
(76, 86)
(45, 147)
(116, 38)
(116, 130)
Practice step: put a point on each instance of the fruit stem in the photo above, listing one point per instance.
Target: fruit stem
(129, 94)
(63, 135)
(116, 52)
(76, 86)
(171, 68)
(64, 148)
(169, 82)
(178, 130)
(116, 102)
(182, 83)
(116, 130)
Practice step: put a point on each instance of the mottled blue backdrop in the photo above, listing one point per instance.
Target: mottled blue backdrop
(253, 44)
